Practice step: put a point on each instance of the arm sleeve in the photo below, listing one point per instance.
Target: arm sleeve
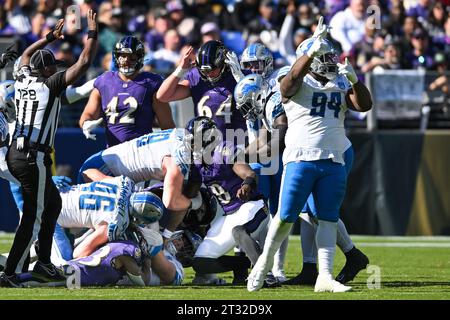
(75, 94)
(287, 50)
(57, 83)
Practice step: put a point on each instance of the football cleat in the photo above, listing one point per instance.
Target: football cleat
(307, 276)
(9, 281)
(47, 273)
(280, 275)
(356, 261)
(271, 281)
(210, 279)
(255, 280)
(327, 284)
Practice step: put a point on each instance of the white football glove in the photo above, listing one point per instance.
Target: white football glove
(321, 30)
(317, 48)
(4, 129)
(88, 126)
(233, 62)
(346, 70)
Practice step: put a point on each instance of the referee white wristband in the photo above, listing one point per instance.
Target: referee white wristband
(179, 72)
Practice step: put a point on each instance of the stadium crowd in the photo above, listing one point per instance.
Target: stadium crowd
(411, 34)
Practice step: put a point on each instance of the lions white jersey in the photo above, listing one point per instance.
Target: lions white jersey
(87, 205)
(272, 109)
(316, 121)
(141, 159)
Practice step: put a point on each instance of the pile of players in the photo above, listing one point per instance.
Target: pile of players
(152, 203)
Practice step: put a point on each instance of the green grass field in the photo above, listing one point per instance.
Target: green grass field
(410, 268)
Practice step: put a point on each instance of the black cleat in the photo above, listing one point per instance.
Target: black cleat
(271, 281)
(307, 276)
(356, 261)
(47, 273)
(9, 281)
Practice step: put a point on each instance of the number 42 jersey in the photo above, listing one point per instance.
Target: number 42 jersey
(316, 121)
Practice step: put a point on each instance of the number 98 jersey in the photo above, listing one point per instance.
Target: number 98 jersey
(87, 205)
(316, 121)
(127, 106)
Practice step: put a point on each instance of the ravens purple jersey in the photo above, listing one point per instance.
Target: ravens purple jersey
(216, 100)
(127, 107)
(98, 269)
(220, 178)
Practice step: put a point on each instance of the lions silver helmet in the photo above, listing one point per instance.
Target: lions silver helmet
(7, 100)
(150, 241)
(324, 64)
(257, 58)
(146, 207)
(183, 245)
(250, 95)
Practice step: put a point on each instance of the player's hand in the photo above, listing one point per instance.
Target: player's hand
(186, 58)
(317, 48)
(244, 192)
(62, 181)
(347, 70)
(9, 55)
(233, 62)
(57, 30)
(91, 20)
(88, 126)
(321, 30)
(3, 127)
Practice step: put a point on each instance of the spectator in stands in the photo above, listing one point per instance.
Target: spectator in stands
(442, 80)
(369, 46)
(266, 20)
(434, 25)
(164, 60)
(288, 39)
(158, 22)
(113, 32)
(104, 14)
(394, 21)
(19, 16)
(210, 31)
(185, 25)
(305, 15)
(420, 11)
(348, 26)
(390, 60)
(244, 11)
(421, 56)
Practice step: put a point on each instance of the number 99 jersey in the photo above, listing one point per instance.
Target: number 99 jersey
(316, 121)
(87, 205)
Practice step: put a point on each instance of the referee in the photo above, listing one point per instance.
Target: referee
(37, 93)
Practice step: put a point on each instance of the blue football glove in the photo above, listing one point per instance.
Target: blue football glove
(62, 181)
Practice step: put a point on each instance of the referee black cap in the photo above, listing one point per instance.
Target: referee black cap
(42, 59)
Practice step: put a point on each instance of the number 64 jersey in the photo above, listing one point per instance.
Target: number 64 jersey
(88, 205)
(316, 121)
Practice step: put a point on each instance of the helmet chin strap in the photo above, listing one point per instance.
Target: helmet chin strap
(127, 71)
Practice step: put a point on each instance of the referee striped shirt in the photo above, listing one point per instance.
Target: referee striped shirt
(38, 106)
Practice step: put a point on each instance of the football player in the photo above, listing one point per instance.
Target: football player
(210, 84)
(126, 99)
(315, 93)
(266, 121)
(242, 213)
(164, 156)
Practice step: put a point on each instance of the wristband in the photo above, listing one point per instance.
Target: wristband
(50, 37)
(250, 181)
(92, 34)
(179, 72)
(167, 234)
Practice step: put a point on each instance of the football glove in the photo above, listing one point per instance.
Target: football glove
(9, 55)
(233, 62)
(88, 126)
(346, 70)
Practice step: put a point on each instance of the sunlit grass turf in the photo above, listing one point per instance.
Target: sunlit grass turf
(406, 273)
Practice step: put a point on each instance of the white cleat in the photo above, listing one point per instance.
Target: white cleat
(280, 275)
(255, 280)
(326, 284)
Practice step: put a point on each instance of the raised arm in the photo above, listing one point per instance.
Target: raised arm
(88, 53)
(53, 35)
(358, 97)
(172, 89)
(290, 84)
(163, 113)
